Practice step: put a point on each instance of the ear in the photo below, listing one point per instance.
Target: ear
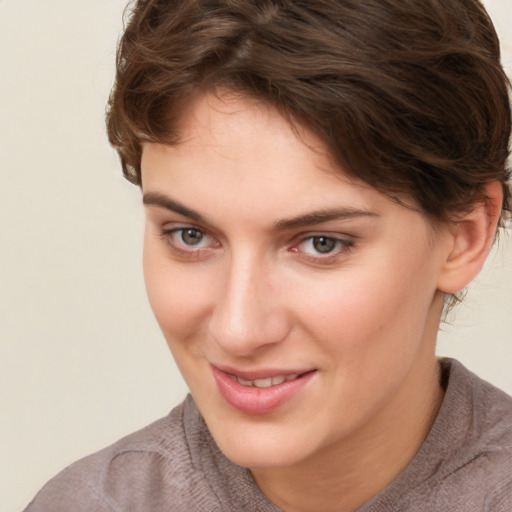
(470, 240)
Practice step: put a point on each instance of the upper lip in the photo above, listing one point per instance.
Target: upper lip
(261, 373)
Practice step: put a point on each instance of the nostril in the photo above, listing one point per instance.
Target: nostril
(245, 335)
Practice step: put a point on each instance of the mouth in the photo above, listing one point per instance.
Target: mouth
(260, 392)
(266, 382)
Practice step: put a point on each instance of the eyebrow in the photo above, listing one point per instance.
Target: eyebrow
(309, 219)
(321, 216)
(154, 199)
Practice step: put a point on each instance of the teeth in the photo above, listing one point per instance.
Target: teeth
(269, 381)
(263, 383)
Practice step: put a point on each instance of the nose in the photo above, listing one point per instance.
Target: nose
(249, 313)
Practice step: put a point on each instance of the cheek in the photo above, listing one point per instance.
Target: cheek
(178, 296)
(374, 309)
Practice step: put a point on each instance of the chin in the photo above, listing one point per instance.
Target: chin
(257, 456)
(259, 446)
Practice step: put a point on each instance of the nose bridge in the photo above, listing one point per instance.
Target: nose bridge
(248, 313)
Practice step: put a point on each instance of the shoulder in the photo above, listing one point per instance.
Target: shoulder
(480, 469)
(469, 450)
(147, 470)
(478, 413)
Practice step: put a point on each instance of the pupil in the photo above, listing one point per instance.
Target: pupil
(191, 236)
(324, 244)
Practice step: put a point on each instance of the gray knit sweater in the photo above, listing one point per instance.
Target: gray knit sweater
(464, 465)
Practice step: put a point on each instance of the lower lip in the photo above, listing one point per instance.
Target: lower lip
(253, 400)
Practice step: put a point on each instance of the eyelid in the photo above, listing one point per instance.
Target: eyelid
(168, 230)
(346, 246)
(342, 237)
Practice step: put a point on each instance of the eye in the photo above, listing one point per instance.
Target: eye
(190, 236)
(323, 244)
(323, 247)
(189, 241)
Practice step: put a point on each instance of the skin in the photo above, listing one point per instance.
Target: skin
(255, 293)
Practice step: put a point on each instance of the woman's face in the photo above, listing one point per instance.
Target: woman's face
(301, 306)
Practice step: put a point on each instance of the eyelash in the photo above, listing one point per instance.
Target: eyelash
(342, 245)
(190, 253)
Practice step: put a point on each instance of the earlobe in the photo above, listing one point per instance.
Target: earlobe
(470, 240)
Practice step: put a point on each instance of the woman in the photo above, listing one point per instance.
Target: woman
(320, 180)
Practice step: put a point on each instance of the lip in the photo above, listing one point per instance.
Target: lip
(257, 401)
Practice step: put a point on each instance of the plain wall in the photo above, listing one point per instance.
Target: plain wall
(82, 361)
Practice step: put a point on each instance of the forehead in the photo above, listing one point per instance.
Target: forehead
(225, 134)
(230, 119)
(243, 129)
(240, 156)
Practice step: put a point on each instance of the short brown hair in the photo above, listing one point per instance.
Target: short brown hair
(409, 95)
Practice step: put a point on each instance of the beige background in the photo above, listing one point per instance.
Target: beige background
(81, 359)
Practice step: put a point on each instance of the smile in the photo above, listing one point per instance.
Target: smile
(260, 392)
(267, 382)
